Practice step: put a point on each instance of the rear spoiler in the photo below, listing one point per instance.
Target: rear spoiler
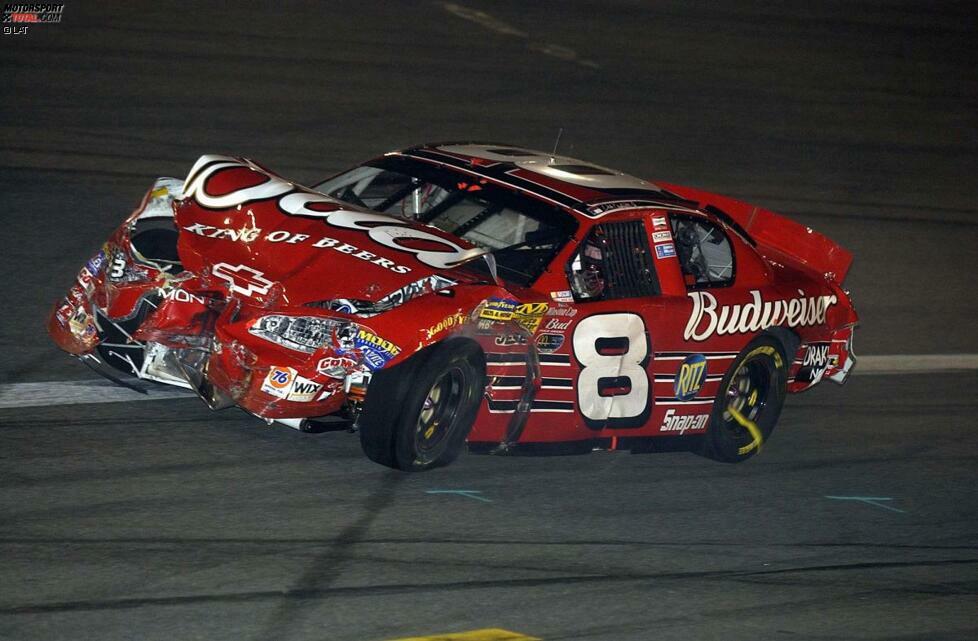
(774, 235)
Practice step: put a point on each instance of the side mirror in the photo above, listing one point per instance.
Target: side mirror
(586, 280)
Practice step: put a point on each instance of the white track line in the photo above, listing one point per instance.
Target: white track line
(914, 364)
(101, 391)
(77, 392)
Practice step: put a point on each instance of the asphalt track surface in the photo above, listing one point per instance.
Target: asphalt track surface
(162, 520)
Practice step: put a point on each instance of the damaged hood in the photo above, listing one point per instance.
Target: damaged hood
(261, 236)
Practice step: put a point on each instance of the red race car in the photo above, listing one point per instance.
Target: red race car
(515, 300)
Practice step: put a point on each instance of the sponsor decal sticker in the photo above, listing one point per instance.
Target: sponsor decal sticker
(556, 325)
(278, 381)
(814, 363)
(87, 280)
(690, 377)
(179, 295)
(709, 318)
(498, 309)
(564, 296)
(76, 294)
(303, 390)
(96, 262)
(413, 290)
(683, 424)
(454, 321)
(562, 310)
(63, 313)
(117, 270)
(659, 222)
(661, 237)
(665, 251)
(549, 343)
(335, 366)
(376, 351)
(81, 324)
(529, 315)
(604, 208)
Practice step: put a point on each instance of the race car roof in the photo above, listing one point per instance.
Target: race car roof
(585, 187)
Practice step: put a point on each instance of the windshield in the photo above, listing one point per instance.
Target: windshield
(523, 234)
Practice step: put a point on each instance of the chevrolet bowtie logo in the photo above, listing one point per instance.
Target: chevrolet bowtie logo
(242, 279)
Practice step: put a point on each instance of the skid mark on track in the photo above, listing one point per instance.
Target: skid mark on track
(324, 570)
(876, 501)
(472, 494)
(496, 25)
(292, 598)
(79, 392)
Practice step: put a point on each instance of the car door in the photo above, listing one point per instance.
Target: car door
(613, 281)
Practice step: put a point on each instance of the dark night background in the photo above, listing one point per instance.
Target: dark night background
(161, 520)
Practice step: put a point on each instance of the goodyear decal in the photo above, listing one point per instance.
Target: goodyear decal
(498, 309)
(454, 321)
(690, 377)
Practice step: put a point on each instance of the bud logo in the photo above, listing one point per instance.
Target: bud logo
(709, 317)
(690, 378)
(242, 279)
(555, 325)
(293, 200)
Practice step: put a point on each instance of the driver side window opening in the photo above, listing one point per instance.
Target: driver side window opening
(703, 251)
(522, 234)
(613, 262)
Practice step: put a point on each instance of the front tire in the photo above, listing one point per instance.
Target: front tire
(753, 390)
(417, 415)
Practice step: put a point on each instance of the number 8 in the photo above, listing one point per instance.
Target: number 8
(630, 409)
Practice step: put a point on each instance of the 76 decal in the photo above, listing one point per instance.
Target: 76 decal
(613, 385)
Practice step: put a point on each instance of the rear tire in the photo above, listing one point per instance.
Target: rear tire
(754, 386)
(417, 415)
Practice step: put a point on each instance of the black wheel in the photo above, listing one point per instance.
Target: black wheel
(748, 402)
(417, 415)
